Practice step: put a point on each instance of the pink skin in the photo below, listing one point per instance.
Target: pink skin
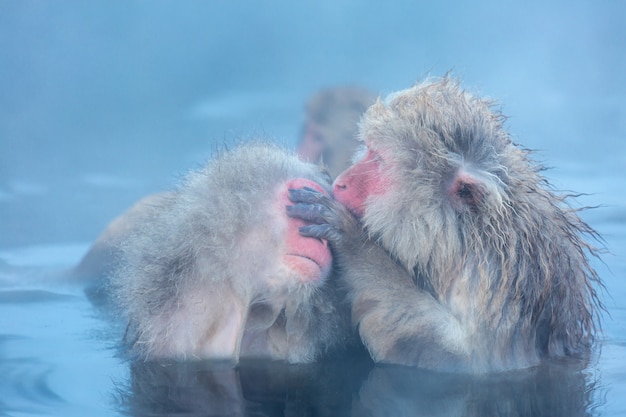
(311, 145)
(309, 258)
(353, 186)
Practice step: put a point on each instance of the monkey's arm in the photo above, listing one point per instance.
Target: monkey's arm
(398, 322)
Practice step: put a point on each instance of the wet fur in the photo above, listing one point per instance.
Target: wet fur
(197, 263)
(470, 260)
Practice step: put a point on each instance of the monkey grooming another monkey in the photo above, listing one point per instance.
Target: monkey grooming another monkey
(329, 136)
(218, 269)
(456, 252)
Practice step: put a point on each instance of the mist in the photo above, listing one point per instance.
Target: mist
(105, 101)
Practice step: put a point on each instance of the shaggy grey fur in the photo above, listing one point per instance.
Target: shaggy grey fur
(208, 249)
(490, 276)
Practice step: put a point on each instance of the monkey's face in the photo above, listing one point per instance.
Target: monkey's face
(363, 179)
(312, 143)
(307, 258)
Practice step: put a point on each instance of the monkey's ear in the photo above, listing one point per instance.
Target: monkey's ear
(466, 191)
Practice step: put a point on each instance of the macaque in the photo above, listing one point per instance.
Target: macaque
(218, 270)
(330, 131)
(329, 137)
(456, 252)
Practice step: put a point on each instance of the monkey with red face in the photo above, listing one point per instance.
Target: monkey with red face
(216, 269)
(329, 133)
(328, 138)
(455, 250)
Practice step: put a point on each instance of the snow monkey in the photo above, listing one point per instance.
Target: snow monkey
(456, 252)
(330, 130)
(218, 269)
(329, 137)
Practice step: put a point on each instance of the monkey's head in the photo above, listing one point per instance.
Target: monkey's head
(244, 231)
(442, 187)
(435, 162)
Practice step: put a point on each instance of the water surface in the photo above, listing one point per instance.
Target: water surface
(104, 102)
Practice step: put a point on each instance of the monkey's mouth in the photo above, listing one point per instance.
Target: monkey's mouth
(308, 258)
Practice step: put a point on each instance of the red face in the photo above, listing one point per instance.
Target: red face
(353, 186)
(312, 144)
(309, 258)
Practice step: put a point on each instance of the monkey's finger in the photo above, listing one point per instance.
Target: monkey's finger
(321, 231)
(306, 195)
(314, 213)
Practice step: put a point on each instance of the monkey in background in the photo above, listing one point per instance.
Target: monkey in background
(216, 269)
(330, 130)
(456, 252)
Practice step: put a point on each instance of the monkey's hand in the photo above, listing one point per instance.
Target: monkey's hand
(398, 322)
(352, 248)
(356, 254)
(329, 219)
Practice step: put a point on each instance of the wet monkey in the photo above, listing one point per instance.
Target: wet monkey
(457, 253)
(329, 137)
(218, 269)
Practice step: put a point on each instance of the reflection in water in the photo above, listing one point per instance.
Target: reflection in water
(254, 388)
(549, 390)
(352, 387)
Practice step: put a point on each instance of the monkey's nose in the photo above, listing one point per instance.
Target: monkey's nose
(339, 187)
